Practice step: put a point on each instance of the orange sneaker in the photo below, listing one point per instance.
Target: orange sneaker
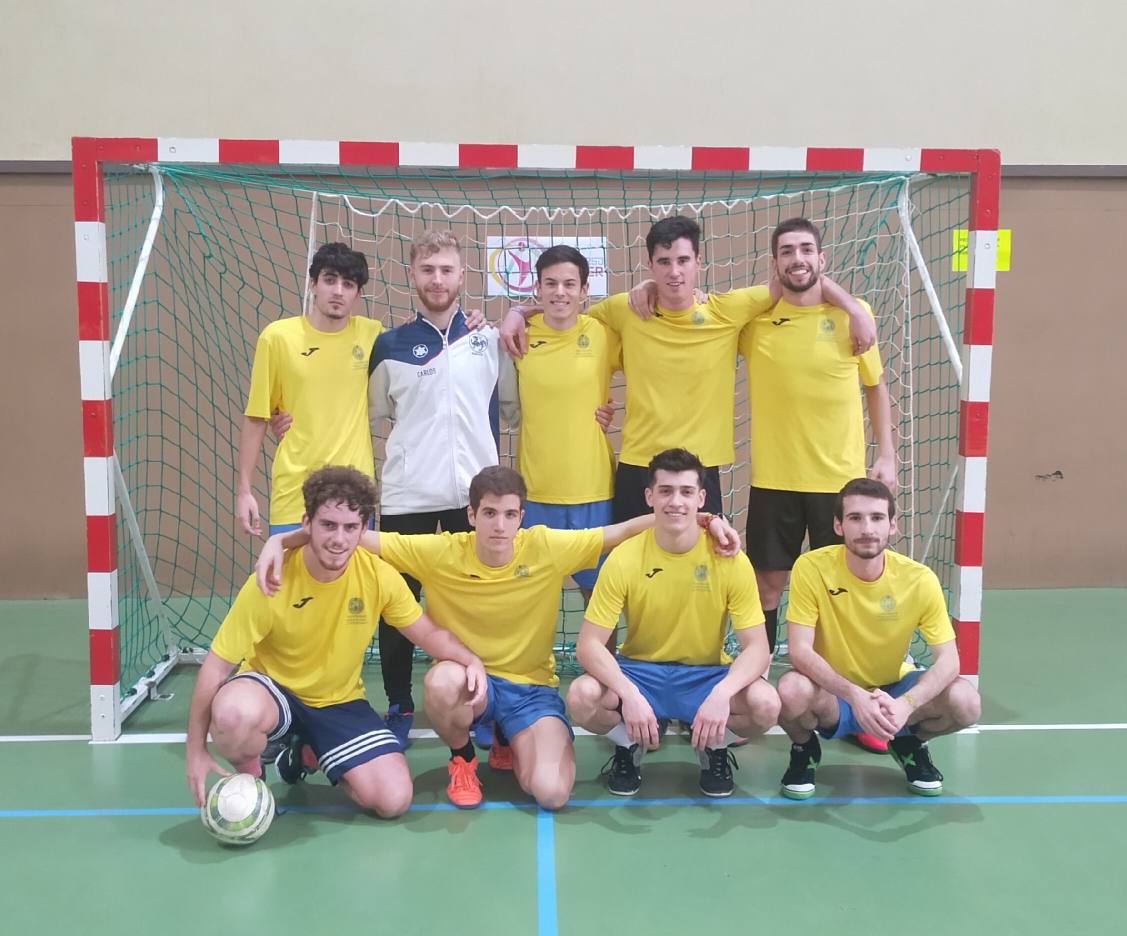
(500, 756)
(870, 743)
(464, 788)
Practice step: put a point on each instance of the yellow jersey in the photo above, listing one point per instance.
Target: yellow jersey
(321, 379)
(677, 604)
(507, 615)
(680, 372)
(311, 636)
(562, 453)
(807, 426)
(863, 629)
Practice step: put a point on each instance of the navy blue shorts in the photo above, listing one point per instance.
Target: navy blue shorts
(342, 736)
(515, 706)
(674, 690)
(571, 517)
(847, 722)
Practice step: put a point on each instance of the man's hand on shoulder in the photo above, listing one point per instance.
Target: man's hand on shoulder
(475, 320)
(514, 332)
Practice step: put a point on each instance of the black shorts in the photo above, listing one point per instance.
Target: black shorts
(630, 492)
(778, 522)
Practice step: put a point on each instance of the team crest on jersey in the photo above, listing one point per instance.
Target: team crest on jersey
(358, 352)
(700, 573)
(478, 344)
(583, 342)
(355, 605)
(420, 351)
(521, 571)
(827, 325)
(888, 604)
(698, 317)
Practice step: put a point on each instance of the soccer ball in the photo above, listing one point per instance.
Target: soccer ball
(238, 809)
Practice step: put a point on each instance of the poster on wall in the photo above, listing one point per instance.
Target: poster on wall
(510, 268)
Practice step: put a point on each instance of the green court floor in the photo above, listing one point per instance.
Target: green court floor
(1026, 839)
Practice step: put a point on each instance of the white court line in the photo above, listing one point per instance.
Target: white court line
(428, 734)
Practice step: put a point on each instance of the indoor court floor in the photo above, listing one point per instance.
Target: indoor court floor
(1027, 838)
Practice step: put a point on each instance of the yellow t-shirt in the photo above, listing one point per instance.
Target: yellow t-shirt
(807, 427)
(681, 374)
(311, 636)
(677, 605)
(863, 629)
(321, 379)
(507, 615)
(562, 453)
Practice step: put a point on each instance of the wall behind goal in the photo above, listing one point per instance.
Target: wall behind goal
(1022, 77)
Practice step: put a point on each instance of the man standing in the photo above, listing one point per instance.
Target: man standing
(436, 380)
(677, 597)
(315, 368)
(853, 611)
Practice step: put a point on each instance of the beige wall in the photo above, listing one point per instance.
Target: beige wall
(1033, 79)
(1058, 391)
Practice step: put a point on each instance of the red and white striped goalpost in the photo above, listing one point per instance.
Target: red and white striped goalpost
(107, 705)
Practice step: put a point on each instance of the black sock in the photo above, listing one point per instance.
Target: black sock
(499, 735)
(772, 626)
(406, 702)
(466, 752)
(809, 745)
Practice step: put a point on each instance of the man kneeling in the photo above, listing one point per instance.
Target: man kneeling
(677, 596)
(852, 614)
(298, 687)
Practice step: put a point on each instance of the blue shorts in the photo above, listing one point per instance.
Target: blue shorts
(674, 690)
(571, 517)
(847, 722)
(515, 706)
(276, 528)
(342, 736)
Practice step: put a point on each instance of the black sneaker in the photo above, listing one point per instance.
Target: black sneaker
(912, 754)
(622, 773)
(798, 781)
(289, 762)
(716, 772)
(270, 754)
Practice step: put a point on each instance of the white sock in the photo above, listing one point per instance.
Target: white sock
(618, 735)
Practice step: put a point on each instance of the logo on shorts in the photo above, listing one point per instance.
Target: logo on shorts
(420, 351)
(888, 604)
(478, 344)
(698, 317)
(355, 605)
(358, 352)
(838, 591)
(654, 571)
(521, 571)
(583, 342)
(309, 352)
(304, 601)
(700, 573)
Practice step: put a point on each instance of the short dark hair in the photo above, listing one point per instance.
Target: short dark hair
(341, 259)
(668, 230)
(864, 487)
(498, 481)
(562, 253)
(336, 484)
(789, 227)
(675, 460)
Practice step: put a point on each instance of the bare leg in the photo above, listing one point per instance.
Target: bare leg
(382, 785)
(592, 706)
(446, 701)
(243, 713)
(544, 761)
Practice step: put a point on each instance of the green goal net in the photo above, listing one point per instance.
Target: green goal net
(201, 258)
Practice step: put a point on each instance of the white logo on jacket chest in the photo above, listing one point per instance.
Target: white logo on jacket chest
(420, 351)
(478, 344)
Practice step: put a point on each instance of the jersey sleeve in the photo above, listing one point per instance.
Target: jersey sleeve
(869, 362)
(609, 597)
(935, 622)
(743, 594)
(740, 306)
(379, 392)
(411, 554)
(247, 623)
(609, 313)
(400, 609)
(802, 606)
(259, 402)
(573, 550)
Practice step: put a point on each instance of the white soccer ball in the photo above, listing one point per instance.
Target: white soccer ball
(238, 809)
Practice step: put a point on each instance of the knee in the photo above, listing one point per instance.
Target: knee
(445, 682)
(763, 704)
(583, 697)
(966, 704)
(551, 793)
(229, 718)
(796, 693)
(387, 800)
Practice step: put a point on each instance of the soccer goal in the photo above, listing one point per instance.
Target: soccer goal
(187, 248)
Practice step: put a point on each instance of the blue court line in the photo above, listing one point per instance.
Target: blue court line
(907, 800)
(547, 918)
